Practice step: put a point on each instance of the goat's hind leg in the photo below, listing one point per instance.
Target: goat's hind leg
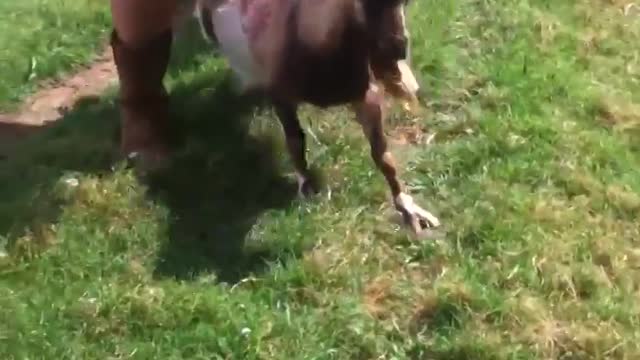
(369, 113)
(295, 138)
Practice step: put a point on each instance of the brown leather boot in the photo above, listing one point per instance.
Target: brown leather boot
(144, 103)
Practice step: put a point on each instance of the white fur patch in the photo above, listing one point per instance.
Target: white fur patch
(301, 181)
(234, 43)
(402, 13)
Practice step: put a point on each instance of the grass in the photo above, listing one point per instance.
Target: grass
(533, 168)
(40, 39)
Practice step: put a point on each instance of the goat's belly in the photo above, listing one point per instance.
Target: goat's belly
(334, 79)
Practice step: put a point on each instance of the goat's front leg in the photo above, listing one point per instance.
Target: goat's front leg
(295, 138)
(369, 113)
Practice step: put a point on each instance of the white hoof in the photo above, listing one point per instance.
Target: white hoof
(415, 216)
(306, 188)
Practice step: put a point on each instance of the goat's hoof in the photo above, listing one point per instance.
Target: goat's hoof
(147, 162)
(416, 217)
(306, 187)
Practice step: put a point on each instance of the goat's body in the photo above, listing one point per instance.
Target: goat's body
(324, 53)
(311, 51)
(323, 66)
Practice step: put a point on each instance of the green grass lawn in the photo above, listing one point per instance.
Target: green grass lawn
(534, 170)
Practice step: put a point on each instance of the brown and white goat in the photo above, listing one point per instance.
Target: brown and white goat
(326, 53)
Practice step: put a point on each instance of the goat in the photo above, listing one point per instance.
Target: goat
(324, 53)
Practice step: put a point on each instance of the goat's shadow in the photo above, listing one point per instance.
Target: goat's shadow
(220, 181)
(217, 187)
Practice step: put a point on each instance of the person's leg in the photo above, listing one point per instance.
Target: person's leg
(141, 42)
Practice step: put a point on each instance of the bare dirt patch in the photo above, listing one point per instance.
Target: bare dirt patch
(51, 102)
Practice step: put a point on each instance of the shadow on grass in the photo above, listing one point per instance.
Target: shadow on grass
(217, 187)
(221, 181)
(79, 143)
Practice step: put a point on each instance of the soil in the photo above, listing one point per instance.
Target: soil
(53, 100)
